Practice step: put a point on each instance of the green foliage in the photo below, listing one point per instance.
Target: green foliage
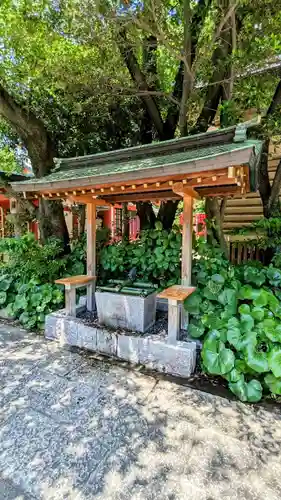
(237, 314)
(8, 161)
(156, 257)
(26, 278)
(33, 301)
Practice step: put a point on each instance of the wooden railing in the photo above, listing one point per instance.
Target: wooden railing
(243, 249)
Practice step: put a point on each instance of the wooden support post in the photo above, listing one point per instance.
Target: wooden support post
(186, 264)
(173, 321)
(70, 301)
(91, 253)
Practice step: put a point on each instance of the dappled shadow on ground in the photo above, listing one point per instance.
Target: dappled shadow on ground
(78, 427)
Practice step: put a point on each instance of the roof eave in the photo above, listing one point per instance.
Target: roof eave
(223, 160)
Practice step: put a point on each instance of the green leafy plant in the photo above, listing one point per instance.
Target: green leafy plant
(155, 255)
(237, 314)
(34, 301)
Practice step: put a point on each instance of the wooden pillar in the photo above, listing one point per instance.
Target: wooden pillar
(173, 321)
(186, 264)
(70, 301)
(91, 253)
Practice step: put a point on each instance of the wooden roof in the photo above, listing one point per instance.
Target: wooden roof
(218, 162)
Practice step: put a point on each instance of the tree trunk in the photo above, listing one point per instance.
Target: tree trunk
(146, 215)
(215, 219)
(41, 153)
(52, 222)
(166, 214)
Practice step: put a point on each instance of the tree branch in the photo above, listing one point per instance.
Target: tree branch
(31, 130)
(139, 78)
(276, 100)
(187, 74)
(215, 92)
(269, 194)
(196, 24)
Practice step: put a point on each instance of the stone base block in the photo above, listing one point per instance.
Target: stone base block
(176, 359)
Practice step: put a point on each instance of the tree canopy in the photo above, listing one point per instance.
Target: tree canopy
(78, 76)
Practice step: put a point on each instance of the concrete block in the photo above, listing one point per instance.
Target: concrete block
(126, 311)
(87, 337)
(176, 359)
(128, 348)
(181, 360)
(54, 325)
(69, 332)
(61, 328)
(106, 342)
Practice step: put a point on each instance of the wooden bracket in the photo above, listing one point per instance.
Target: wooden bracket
(183, 190)
(85, 199)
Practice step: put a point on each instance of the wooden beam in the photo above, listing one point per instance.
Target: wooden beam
(186, 258)
(85, 199)
(184, 190)
(211, 181)
(91, 253)
(219, 191)
(158, 195)
(94, 185)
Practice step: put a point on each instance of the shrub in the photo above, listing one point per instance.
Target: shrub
(237, 313)
(27, 290)
(155, 255)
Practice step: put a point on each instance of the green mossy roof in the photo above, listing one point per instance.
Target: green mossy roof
(144, 164)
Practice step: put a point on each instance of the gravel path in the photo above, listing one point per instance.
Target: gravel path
(80, 427)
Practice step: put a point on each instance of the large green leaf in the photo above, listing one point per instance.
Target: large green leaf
(273, 303)
(274, 276)
(248, 292)
(247, 322)
(273, 383)
(239, 388)
(251, 391)
(254, 275)
(233, 376)
(274, 361)
(228, 298)
(257, 313)
(196, 329)
(5, 284)
(244, 309)
(3, 298)
(272, 329)
(233, 322)
(254, 391)
(218, 363)
(249, 338)
(256, 360)
(192, 303)
(217, 359)
(262, 298)
(20, 303)
(213, 321)
(234, 337)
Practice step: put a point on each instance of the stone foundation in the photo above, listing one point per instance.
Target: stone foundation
(175, 359)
